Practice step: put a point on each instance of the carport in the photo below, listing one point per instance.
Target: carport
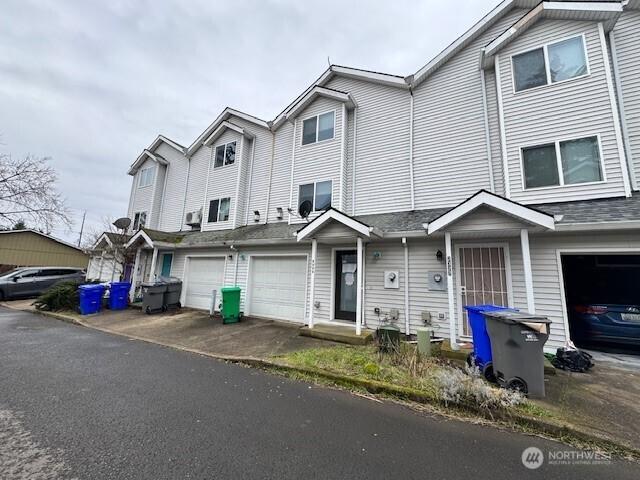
(601, 297)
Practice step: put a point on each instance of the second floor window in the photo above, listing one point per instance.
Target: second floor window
(318, 194)
(568, 162)
(318, 128)
(550, 63)
(225, 154)
(219, 210)
(146, 177)
(139, 220)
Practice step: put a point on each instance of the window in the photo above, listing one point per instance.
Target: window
(146, 177)
(318, 128)
(139, 220)
(219, 210)
(318, 194)
(551, 63)
(568, 162)
(225, 154)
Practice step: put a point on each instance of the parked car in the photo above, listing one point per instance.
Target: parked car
(606, 323)
(32, 281)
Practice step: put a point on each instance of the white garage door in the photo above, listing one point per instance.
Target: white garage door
(203, 276)
(277, 287)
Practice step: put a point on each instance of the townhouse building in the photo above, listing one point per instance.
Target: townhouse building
(375, 197)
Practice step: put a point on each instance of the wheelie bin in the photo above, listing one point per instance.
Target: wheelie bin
(90, 298)
(230, 304)
(173, 292)
(481, 355)
(119, 295)
(517, 341)
(153, 297)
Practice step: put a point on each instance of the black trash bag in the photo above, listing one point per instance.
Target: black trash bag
(572, 359)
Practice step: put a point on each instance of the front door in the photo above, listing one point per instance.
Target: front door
(167, 259)
(483, 278)
(346, 285)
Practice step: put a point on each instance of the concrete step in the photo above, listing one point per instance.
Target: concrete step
(338, 333)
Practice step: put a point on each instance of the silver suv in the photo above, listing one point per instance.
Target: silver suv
(32, 281)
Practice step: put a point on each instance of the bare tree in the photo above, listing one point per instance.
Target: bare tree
(94, 232)
(28, 193)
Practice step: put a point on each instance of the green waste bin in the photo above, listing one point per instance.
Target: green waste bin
(230, 304)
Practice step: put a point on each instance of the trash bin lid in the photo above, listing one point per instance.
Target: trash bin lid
(230, 289)
(485, 308)
(169, 280)
(510, 316)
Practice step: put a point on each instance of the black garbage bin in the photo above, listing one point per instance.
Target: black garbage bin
(517, 341)
(153, 297)
(173, 292)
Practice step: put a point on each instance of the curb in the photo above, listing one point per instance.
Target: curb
(559, 431)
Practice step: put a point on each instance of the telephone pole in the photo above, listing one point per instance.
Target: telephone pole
(82, 227)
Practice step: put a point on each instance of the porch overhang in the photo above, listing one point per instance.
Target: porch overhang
(483, 198)
(142, 239)
(360, 229)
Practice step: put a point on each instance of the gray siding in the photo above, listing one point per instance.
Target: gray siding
(577, 108)
(627, 41)
(450, 154)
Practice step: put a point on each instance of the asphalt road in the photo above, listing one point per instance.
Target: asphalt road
(77, 403)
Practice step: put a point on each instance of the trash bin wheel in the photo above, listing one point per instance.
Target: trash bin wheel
(178, 305)
(470, 360)
(148, 310)
(518, 385)
(164, 308)
(488, 373)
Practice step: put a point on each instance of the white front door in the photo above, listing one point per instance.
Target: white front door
(484, 277)
(277, 287)
(203, 274)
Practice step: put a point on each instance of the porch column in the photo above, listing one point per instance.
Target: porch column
(312, 287)
(359, 289)
(101, 264)
(134, 275)
(154, 259)
(528, 274)
(450, 293)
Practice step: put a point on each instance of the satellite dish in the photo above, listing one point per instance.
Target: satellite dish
(122, 223)
(305, 208)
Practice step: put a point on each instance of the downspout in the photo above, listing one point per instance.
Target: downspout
(343, 154)
(413, 194)
(235, 273)
(253, 152)
(621, 110)
(206, 189)
(153, 195)
(186, 185)
(407, 313)
(355, 156)
(273, 151)
(237, 199)
(164, 192)
(293, 165)
(487, 135)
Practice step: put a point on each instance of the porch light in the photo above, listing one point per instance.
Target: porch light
(377, 255)
(256, 216)
(439, 255)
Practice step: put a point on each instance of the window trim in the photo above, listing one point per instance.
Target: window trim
(547, 66)
(315, 186)
(557, 143)
(153, 176)
(219, 200)
(224, 158)
(317, 117)
(136, 228)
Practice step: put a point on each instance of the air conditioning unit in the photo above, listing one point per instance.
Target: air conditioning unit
(193, 218)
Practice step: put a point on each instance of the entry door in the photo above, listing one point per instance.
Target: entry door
(483, 278)
(167, 259)
(346, 285)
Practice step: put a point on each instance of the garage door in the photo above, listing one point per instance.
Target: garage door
(277, 287)
(203, 276)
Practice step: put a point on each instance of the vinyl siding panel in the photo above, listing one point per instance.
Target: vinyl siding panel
(574, 109)
(450, 153)
(197, 173)
(281, 173)
(494, 132)
(382, 146)
(156, 197)
(141, 199)
(174, 189)
(484, 219)
(627, 41)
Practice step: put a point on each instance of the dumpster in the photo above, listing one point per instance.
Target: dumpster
(173, 292)
(90, 298)
(153, 297)
(230, 304)
(517, 341)
(119, 295)
(481, 355)
(388, 337)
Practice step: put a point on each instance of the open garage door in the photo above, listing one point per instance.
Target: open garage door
(603, 300)
(203, 274)
(277, 287)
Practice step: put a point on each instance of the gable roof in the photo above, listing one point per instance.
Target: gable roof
(221, 129)
(606, 12)
(30, 230)
(149, 152)
(317, 91)
(336, 215)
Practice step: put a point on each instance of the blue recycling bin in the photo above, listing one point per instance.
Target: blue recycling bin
(481, 355)
(90, 298)
(119, 295)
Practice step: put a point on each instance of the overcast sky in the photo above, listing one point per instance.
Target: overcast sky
(92, 83)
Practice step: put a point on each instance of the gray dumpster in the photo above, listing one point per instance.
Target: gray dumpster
(153, 297)
(517, 339)
(173, 292)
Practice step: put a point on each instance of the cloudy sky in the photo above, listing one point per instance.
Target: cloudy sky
(91, 83)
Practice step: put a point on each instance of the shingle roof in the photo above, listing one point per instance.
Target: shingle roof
(270, 231)
(596, 211)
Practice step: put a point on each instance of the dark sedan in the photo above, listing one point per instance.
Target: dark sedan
(606, 323)
(32, 281)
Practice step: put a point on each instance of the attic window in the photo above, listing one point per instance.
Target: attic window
(145, 177)
(318, 128)
(225, 154)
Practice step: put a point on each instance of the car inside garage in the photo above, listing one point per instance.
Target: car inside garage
(603, 300)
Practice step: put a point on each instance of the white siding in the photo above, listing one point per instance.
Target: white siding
(198, 170)
(142, 197)
(484, 219)
(153, 220)
(172, 200)
(627, 40)
(450, 155)
(382, 146)
(494, 132)
(573, 109)
(281, 172)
